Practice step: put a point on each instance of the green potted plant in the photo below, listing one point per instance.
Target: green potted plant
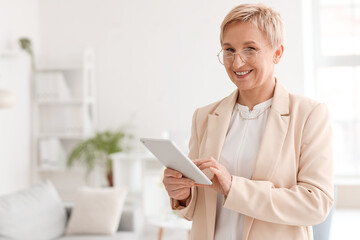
(25, 44)
(97, 149)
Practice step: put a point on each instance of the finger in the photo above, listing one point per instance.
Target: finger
(180, 194)
(180, 182)
(201, 185)
(208, 165)
(173, 190)
(219, 174)
(173, 180)
(224, 179)
(216, 171)
(200, 161)
(168, 172)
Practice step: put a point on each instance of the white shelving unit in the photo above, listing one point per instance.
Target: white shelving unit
(64, 112)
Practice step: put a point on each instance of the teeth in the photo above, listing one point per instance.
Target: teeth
(242, 73)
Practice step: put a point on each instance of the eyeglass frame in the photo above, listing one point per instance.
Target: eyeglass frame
(239, 53)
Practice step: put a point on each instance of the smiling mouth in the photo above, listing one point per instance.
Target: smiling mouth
(243, 73)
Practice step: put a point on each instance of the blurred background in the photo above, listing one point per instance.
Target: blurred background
(133, 69)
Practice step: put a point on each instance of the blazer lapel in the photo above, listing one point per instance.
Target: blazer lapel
(272, 142)
(274, 135)
(217, 126)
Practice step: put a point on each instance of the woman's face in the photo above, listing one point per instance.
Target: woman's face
(245, 37)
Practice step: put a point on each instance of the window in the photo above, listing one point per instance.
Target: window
(337, 80)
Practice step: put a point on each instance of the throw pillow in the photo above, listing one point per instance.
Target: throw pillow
(35, 213)
(96, 211)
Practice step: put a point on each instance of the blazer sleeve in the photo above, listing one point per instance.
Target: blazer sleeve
(304, 204)
(187, 211)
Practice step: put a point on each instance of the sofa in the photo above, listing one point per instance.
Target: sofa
(38, 213)
(126, 230)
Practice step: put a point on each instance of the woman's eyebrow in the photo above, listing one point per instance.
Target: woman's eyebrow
(249, 42)
(245, 43)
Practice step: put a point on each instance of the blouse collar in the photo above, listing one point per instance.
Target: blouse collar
(257, 110)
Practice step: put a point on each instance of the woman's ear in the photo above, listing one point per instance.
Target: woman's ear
(278, 54)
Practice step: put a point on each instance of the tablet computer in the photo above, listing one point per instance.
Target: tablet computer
(172, 157)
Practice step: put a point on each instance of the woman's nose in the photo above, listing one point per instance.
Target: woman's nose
(238, 61)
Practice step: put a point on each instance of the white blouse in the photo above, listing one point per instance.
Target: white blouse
(238, 155)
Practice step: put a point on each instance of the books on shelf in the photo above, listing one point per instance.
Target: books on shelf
(66, 119)
(51, 86)
(51, 153)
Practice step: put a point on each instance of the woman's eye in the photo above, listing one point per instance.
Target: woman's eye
(249, 50)
(230, 50)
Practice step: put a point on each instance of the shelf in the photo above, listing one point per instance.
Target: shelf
(57, 169)
(65, 102)
(53, 66)
(63, 135)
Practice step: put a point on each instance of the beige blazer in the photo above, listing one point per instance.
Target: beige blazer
(291, 188)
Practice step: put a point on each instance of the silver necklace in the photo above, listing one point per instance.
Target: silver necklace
(256, 117)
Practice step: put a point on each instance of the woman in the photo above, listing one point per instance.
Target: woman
(267, 151)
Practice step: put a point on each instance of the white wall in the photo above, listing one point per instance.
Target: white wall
(18, 18)
(156, 60)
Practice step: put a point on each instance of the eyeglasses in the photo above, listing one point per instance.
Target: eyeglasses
(247, 55)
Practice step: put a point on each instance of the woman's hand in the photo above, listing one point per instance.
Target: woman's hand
(177, 186)
(222, 178)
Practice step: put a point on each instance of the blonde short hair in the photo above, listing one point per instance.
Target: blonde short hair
(261, 16)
